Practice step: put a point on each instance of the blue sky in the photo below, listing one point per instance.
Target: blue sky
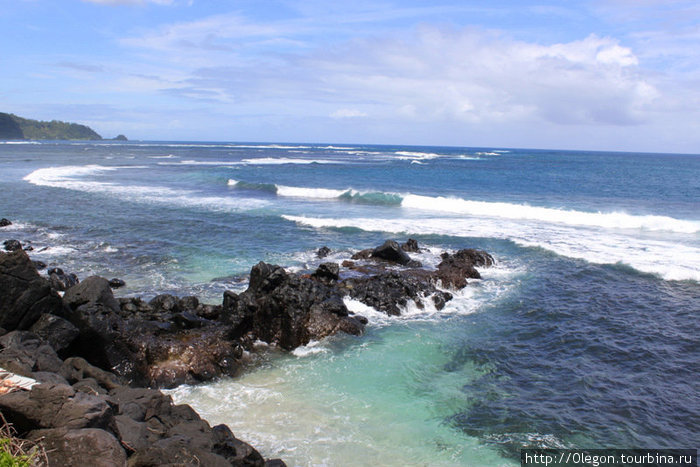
(591, 74)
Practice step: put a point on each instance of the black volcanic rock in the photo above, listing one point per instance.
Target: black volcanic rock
(116, 283)
(4, 222)
(25, 294)
(391, 251)
(85, 446)
(323, 252)
(390, 291)
(83, 411)
(287, 309)
(61, 281)
(327, 272)
(58, 332)
(158, 343)
(454, 270)
(12, 245)
(411, 246)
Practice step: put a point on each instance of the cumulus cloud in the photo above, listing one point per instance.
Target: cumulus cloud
(470, 75)
(434, 78)
(480, 76)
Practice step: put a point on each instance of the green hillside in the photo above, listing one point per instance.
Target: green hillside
(14, 127)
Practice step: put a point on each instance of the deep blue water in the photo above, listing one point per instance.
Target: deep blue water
(585, 334)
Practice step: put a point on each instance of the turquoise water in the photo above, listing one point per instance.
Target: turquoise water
(583, 335)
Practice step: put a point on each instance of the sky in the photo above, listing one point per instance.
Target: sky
(620, 75)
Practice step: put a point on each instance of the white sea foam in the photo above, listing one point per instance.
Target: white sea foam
(268, 146)
(253, 161)
(206, 163)
(409, 155)
(74, 178)
(312, 348)
(610, 220)
(367, 197)
(651, 253)
(285, 160)
(322, 193)
(169, 156)
(51, 251)
(337, 148)
(469, 158)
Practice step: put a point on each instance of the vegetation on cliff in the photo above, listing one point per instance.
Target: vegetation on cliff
(14, 127)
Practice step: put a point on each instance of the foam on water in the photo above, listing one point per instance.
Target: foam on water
(298, 192)
(411, 155)
(613, 220)
(487, 209)
(285, 160)
(73, 178)
(664, 257)
(348, 194)
(312, 348)
(202, 163)
(169, 156)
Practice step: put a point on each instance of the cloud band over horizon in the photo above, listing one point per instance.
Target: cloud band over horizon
(517, 75)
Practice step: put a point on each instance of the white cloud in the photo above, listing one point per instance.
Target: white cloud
(468, 75)
(424, 77)
(479, 76)
(348, 113)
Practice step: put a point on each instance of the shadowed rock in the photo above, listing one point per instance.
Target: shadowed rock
(25, 294)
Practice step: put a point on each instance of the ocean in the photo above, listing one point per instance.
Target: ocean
(585, 334)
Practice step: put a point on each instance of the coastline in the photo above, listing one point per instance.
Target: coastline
(106, 353)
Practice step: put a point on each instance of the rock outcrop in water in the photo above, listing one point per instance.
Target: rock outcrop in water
(94, 353)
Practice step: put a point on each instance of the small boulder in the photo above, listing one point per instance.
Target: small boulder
(116, 283)
(392, 252)
(454, 270)
(323, 252)
(58, 332)
(165, 303)
(12, 245)
(55, 406)
(87, 446)
(94, 291)
(327, 272)
(4, 222)
(411, 246)
(61, 281)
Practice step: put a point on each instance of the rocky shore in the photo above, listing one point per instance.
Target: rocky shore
(100, 359)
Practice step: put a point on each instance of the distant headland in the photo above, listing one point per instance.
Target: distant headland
(13, 127)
